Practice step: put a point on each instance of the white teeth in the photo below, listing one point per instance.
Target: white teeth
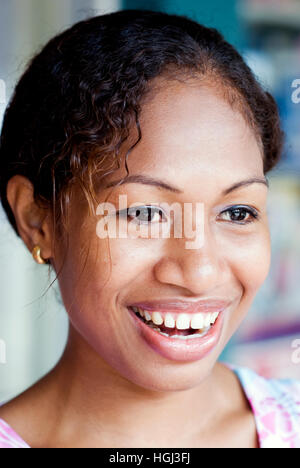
(183, 322)
(204, 331)
(207, 320)
(197, 321)
(214, 317)
(162, 333)
(147, 316)
(157, 318)
(169, 321)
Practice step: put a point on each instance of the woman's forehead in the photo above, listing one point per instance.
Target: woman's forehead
(190, 128)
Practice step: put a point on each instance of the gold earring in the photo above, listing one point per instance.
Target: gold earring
(36, 253)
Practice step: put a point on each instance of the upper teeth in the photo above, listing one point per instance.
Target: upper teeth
(181, 321)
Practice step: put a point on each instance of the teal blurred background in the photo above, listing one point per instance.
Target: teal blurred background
(34, 325)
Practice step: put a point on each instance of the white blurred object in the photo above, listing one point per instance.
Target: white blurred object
(271, 12)
(106, 6)
(262, 67)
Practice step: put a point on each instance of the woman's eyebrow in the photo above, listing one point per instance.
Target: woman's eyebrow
(143, 179)
(148, 180)
(243, 183)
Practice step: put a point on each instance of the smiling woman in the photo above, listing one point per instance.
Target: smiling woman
(163, 113)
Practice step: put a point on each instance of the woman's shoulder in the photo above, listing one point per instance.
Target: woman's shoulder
(9, 438)
(26, 418)
(276, 407)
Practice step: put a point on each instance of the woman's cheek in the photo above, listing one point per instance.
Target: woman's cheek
(250, 256)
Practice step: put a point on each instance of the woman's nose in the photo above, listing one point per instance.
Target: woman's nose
(200, 270)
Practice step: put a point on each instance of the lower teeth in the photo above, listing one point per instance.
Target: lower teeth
(204, 331)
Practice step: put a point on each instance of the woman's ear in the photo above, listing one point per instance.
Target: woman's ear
(33, 222)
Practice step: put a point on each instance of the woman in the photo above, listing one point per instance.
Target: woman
(156, 114)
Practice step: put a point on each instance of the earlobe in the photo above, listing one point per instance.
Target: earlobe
(30, 218)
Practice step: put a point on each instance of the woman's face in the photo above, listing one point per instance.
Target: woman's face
(193, 141)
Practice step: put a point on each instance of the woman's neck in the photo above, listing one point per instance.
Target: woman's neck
(93, 401)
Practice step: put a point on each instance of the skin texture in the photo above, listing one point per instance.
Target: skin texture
(110, 389)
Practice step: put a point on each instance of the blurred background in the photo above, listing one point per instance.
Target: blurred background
(33, 324)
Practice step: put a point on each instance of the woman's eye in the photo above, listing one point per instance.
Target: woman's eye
(144, 214)
(239, 215)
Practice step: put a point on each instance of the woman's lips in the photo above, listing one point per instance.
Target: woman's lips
(188, 307)
(175, 349)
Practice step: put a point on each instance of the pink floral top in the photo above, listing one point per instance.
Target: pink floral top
(275, 405)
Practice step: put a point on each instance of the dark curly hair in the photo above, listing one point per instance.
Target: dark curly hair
(79, 97)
